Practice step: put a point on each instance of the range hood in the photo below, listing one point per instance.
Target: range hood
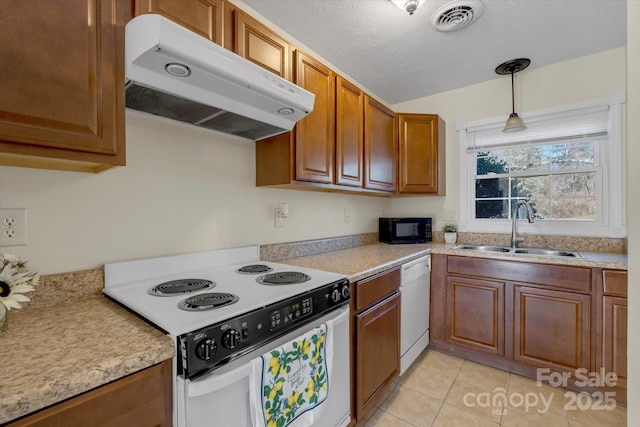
(175, 73)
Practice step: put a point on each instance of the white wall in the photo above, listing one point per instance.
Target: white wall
(184, 189)
(633, 207)
(581, 79)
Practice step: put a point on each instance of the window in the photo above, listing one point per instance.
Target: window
(566, 164)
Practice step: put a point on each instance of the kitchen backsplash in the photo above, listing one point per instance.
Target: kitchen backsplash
(578, 243)
(278, 251)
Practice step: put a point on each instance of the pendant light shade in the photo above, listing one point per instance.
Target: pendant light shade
(514, 122)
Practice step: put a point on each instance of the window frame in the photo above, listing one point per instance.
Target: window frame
(609, 221)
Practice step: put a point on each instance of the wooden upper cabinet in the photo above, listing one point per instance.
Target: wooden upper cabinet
(380, 150)
(260, 45)
(203, 17)
(62, 96)
(315, 134)
(421, 156)
(349, 133)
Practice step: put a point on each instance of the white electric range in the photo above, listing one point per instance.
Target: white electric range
(223, 308)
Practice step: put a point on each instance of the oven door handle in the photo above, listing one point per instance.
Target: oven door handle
(217, 380)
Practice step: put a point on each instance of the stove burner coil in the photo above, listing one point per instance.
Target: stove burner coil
(283, 278)
(254, 269)
(181, 286)
(207, 301)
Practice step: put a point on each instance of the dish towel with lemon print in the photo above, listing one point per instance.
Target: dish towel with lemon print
(289, 384)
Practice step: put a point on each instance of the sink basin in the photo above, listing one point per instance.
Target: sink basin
(521, 251)
(547, 252)
(484, 248)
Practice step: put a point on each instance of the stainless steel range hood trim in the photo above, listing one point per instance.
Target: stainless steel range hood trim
(219, 78)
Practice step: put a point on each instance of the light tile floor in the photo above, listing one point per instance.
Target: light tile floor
(443, 391)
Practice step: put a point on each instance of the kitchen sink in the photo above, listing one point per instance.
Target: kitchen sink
(565, 253)
(484, 248)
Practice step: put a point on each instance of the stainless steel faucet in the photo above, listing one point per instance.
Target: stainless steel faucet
(515, 239)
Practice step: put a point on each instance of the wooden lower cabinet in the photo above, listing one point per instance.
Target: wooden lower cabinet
(612, 354)
(475, 314)
(378, 352)
(143, 399)
(551, 329)
(521, 317)
(375, 340)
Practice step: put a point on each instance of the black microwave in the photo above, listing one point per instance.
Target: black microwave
(404, 230)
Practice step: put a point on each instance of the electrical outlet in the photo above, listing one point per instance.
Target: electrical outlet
(13, 227)
(278, 219)
(347, 216)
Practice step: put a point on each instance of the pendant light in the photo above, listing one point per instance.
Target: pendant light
(408, 5)
(514, 123)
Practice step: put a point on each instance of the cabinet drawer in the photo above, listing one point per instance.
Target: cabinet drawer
(615, 282)
(578, 278)
(374, 288)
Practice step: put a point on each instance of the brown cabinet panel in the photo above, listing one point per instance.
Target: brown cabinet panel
(349, 133)
(578, 278)
(203, 17)
(614, 336)
(421, 155)
(475, 314)
(260, 45)
(551, 328)
(615, 282)
(374, 288)
(143, 399)
(62, 99)
(380, 149)
(315, 134)
(377, 352)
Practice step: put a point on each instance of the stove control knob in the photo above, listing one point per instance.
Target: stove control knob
(346, 292)
(206, 348)
(230, 338)
(335, 295)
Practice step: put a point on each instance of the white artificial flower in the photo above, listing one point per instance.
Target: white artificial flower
(15, 280)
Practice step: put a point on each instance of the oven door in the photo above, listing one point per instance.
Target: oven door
(221, 398)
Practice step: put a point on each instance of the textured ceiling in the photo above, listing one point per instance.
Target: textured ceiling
(401, 57)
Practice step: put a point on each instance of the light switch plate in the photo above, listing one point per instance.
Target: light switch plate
(448, 215)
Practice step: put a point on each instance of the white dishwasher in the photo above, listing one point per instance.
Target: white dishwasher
(414, 315)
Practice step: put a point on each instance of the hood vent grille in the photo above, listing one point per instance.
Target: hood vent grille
(456, 15)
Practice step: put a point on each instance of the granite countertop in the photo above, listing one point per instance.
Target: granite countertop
(51, 353)
(363, 261)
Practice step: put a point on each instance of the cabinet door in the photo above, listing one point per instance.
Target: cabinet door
(377, 352)
(315, 134)
(62, 97)
(380, 150)
(203, 17)
(551, 328)
(614, 336)
(260, 45)
(421, 160)
(475, 314)
(142, 399)
(349, 133)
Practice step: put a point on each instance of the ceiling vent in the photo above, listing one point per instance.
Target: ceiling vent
(456, 15)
